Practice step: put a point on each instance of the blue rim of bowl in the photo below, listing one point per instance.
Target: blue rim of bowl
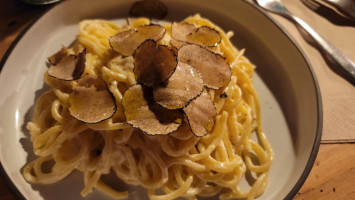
(317, 139)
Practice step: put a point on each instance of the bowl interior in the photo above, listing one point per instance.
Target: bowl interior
(290, 100)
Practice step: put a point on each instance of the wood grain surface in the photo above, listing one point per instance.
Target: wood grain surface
(333, 174)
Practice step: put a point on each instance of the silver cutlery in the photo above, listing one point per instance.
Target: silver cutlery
(344, 8)
(334, 55)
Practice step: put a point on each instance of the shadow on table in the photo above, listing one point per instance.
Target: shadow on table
(333, 17)
(337, 69)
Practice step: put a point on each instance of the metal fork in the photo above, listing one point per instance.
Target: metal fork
(333, 54)
(346, 7)
(312, 4)
(347, 12)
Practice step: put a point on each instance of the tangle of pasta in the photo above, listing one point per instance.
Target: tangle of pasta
(168, 166)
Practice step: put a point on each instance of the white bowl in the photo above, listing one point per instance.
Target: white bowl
(287, 87)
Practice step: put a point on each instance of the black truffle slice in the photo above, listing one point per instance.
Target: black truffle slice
(215, 70)
(176, 143)
(179, 31)
(149, 8)
(57, 57)
(143, 113)
(91, 101)
(204, 35)
(177, 44)
(201, 113)
(185, 84)
(126, 42)
(183, 132)
(153, 64)
(70, 67)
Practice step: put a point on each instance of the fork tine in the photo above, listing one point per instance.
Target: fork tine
(311, 4)
(346, 8)
(319, 5)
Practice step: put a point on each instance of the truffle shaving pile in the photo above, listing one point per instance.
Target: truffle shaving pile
(170, 79)
(175, 82)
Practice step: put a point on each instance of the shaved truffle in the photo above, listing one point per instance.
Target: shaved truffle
(200, 114)
(215, 70)
(124, 42)
(149, 8)
(204, 35)
(69, 67)
(179, 31)
(176, 43)
(185, 84)
(183, 132)
(91, 101)
(153, 64)
(143, 113)
(57, 57)
(127, 41)
(178, 141)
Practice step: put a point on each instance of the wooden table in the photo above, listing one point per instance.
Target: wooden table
(333, 174)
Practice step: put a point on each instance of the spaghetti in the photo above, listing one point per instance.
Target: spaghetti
(168, 166)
